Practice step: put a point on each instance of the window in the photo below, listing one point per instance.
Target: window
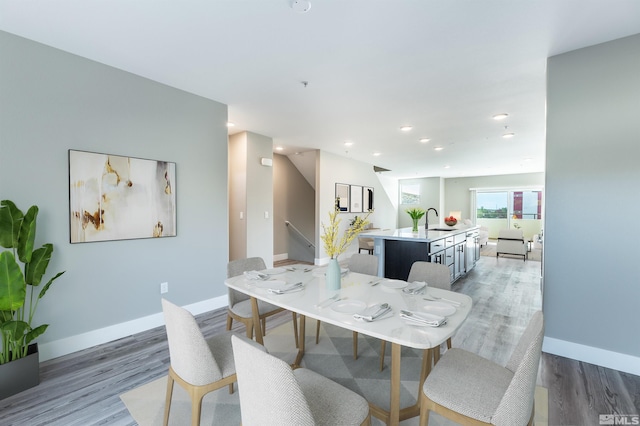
(492, 205)
(409, 193)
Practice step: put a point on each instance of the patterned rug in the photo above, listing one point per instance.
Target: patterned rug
(332, 357)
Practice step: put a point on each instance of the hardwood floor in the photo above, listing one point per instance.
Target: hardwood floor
(83, 388)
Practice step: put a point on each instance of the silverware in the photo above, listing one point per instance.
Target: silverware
(437, 299)
(375, 283)
(328, 301)
(290, 289)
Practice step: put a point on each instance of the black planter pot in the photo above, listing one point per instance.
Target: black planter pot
(22, 374)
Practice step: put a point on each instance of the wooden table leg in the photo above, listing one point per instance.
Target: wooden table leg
(302, 329)
(394, 405)
(257, 327)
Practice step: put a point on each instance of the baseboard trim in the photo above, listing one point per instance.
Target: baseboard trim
(602, 357)
(279, 257)
(57, 348)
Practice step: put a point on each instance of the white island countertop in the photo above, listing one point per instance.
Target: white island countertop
(435, 232)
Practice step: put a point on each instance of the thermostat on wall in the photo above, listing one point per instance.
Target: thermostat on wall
(266, 161)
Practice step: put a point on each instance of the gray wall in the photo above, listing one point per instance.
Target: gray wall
(237, 196)
(592, 280)
(51, 101)
(430, 196)
(293, 200)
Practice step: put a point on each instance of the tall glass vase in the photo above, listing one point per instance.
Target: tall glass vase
(415, 225)
(333, 277)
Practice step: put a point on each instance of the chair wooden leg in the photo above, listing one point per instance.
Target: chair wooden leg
(230, 388)
(449, 343)
(167, 402)
(317, 331)
(424, 410)
(383, 348)
(355, 345)
(229, 322)
(264, 327)
(249, 327)
(295, 327)
(196, 409)
(436, 355)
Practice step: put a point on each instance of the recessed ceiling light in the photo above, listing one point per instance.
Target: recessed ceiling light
(348, 143)
(501, 116)
(301, 6)
(508, 135)
(406, 128)
(425, 140)
(438, 148)
(447, 166)
(376, 154)
(279, 148)
(230, 124)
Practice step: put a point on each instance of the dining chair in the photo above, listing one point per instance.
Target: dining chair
(363, 264)
(240, 304)
(435, 275)
(271, 393)
(197, 364)
(472, 390)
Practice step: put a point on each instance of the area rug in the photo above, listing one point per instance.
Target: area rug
(332, 357)
(489, 249)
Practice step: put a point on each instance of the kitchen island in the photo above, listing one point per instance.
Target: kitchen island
(456, 247)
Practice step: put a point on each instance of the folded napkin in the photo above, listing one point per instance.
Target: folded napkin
(415, 287)
(289, 288)
(422, 318)
(374, 312)
(255, 275)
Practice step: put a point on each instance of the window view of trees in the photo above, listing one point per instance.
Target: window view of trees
(409, 194)
(492, 205)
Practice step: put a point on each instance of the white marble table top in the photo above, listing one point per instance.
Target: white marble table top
(357, 287)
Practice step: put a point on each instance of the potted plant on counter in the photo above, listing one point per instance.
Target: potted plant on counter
(416, 214)
(21, 271)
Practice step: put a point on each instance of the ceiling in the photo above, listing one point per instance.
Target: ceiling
(444, 67)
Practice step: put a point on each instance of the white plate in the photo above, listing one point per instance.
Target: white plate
(348, 306)
(439, 308)
(274, 271)
(272, 284)
(395, 284)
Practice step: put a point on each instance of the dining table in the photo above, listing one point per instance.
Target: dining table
(302, 289)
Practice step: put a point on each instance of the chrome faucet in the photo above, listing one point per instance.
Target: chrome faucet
(426, 217)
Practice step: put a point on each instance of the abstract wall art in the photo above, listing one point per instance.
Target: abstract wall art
(113, 197)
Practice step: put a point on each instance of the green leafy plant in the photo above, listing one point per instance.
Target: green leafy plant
(416, 213)
(21, 271)
(334, 244)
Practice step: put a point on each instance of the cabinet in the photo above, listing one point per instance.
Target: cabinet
(472, 250)
(450, 251)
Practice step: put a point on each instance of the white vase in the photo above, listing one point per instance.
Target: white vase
(333, 276)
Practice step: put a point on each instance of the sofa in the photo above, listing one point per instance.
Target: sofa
(511, 241)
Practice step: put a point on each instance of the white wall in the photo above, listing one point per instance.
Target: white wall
(430, 196)
(238, 196)
(50, 102)
(334, 169)
(592, 280)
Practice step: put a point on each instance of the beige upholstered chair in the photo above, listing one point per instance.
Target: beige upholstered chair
(365, 243)
(511, 241)
(240, 304)
(200, 366)
(271, 393)
(472, 390)
(435, 275)
(362, 264)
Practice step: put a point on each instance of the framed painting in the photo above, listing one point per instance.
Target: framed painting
(342, 197)
(112, 197)
(356, 198)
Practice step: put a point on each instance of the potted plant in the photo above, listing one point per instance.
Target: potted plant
(334, 244)
(21, 271)
(416, 214)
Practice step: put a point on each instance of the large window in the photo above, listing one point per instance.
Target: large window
(504, 209)
(409, 193)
